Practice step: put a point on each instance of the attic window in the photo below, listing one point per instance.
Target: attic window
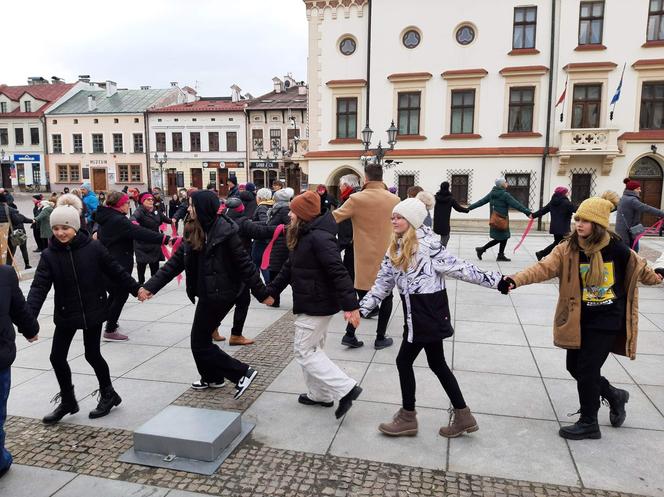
(213, 119)
(55, 121)
(267, 101)
(136, 119)
(176, 119)
(75, 121)
(257, 118)
(230, 118)
(159, 120)
(96, 121)
(193, 119)
(116, 120)
(275, 118)
(298, 100)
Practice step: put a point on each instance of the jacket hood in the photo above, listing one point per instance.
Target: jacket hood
(103, 214)
(557, 199)
(81, 239)
(443, 196)
(221, 228)
(206, 204)
(323, 222)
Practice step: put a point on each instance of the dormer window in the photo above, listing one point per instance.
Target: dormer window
(28, 106)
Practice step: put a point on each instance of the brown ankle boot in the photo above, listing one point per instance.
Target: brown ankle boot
(239, 340)
(403, 424)
(462, 422)
(216, 336)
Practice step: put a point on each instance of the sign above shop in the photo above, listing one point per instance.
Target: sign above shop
(264, 165)
(26, 157)
(98, 162)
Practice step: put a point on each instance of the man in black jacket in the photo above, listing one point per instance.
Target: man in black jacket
(561, 210)
(11, 219)
(442, 210)
(13, 309)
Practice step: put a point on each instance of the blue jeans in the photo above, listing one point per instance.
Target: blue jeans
(5, 384)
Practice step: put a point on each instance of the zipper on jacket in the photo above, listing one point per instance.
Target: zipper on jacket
(78, 288)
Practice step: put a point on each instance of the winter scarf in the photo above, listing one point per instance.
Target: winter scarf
(595, 276)
(345, 193)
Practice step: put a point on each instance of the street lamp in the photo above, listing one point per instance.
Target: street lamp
(161, 161)
(379, 151)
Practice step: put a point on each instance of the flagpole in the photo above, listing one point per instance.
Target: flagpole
(616, 97)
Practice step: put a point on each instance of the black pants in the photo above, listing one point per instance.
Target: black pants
(384, 313)
(12, 250)
(547, 250)
(273, 276)
(213, 364)
(585, 365)
(240, 313)
(117, 297)
(140, 268)
(436, 359)
(62, 338)
(501, 249)
(349, 261)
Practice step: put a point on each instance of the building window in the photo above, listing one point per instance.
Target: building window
(75, 121)
(581, 185)
(465, 35)
(160, 140)
(275, 139)
(231, 141)
(18, 134)
(177, 142)
(34, 136)
(586, 105)
(463, 112)
(525, 27)
(136, 120)
(411, 38)
(97, 143)
(68, 173)
(118, 147)
(256, 139)
(129, 173)
(95, 121)
(656, 20)
(405, 182)
(522, 104)
(347, 46)
(519, 187)
(138, 143)
(28, 106)
(4, 136)
(57, 143)
(36, 174)
(213, 141)
(459, 188)
(3, 108)
(652, 106)
(591, 23)
(77, 139)
(291, 133)
(195, 141)
(408, 115)
(346, 117)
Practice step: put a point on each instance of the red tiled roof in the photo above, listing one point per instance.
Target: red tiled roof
(48, 93)
(204, 106)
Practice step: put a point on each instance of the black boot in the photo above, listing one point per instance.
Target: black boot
(617, 399)
(585, 427)
(68, 405)
(501, 257)
(108, 398)
(480, 252)
(539, 256)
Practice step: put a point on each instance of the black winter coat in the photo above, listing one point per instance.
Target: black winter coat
(321, 284)
(181, 213)
(561, 210)
(327, 202)
(218, 272)
(173, 206)
(117, 233)
(75, 270)
(249, 230)
(17, 219)
(445, 202)
(260, 214)
(249, 202)
(148, 252)
(278, 215)
(13, 309)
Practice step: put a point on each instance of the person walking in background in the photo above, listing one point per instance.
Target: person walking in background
(277, 185)
(370, 212)
(36, 199)
(321, 288)
(148, 254)
(499, 201)
(442, 211)
(417, 263)
(277, 215)
(428, 200)
(74, 265)
(348, 185)
(42, 221)
(327, 202)
(561, 209)
(265, 203)
(90, 201)
(173, 205)
(13, 311)
(597, 311)
(159, 204)
(233, 190)
(630, 209)
(15, 232)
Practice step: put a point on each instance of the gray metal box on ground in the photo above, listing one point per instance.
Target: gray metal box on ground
(187, 432)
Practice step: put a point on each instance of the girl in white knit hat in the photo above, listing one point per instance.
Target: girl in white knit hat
(416, 263)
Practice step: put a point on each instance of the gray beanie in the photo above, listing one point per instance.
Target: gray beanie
(65, 215)
(412, 210)
(283, 195)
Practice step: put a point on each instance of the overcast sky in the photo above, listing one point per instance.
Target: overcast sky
(208, 43)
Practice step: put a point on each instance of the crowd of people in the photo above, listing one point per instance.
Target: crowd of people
(345, 254)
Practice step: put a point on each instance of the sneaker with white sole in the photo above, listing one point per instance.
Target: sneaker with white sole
(202, 385)
(115, 336)
(244, 382)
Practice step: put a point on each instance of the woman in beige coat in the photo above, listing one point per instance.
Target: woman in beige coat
(597, 311)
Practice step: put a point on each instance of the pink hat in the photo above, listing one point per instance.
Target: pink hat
(561, 190)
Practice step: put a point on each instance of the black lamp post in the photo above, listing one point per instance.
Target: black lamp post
(379, 151)
(161, 161)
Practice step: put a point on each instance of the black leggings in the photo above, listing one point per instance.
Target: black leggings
(240, 312)
(585, 366)
(24, 253)
(436, 359)
(501, 249)
(213, 364)
(62, 338)
(547, 250)
(140, 268)
(117, 297)
(384, 313)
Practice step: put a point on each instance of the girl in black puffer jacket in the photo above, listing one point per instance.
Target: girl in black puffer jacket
(75, 264)
(321, 288)
(217, 269)
(148, 254)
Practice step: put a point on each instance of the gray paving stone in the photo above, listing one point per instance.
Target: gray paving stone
(37, 356)
(30, 481)
(485, 313)
(494, 359)
(539, 336)
(260, 318)
(646, 369)
(656, 395)
(120, 356)
(497, 333)
(21, 375)
(171, 365)
(651, 342)
(160, 334)
(149, 312)
(84, 486)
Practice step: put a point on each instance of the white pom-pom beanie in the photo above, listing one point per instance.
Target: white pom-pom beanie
(65, 215)
(413, 210)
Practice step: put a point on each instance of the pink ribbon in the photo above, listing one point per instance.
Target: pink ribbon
(174, 229)
(525, 233)
(652, 229)
(177, 241)
(265, 262)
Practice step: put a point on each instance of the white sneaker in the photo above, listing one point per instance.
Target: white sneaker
(244, 382)
(202, 385)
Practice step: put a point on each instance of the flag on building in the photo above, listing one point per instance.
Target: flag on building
(562, 95)
(616, 96)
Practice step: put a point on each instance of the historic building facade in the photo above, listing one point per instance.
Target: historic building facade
(472, 89)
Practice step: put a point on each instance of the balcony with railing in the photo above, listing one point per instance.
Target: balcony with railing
(588, 142)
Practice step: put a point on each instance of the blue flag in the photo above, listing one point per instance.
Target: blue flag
(616, 97)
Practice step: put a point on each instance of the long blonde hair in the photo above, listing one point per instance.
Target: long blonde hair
(403, 249)
(293, 233)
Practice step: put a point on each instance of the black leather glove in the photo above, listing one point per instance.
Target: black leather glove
(660, 271)
(505, 284)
